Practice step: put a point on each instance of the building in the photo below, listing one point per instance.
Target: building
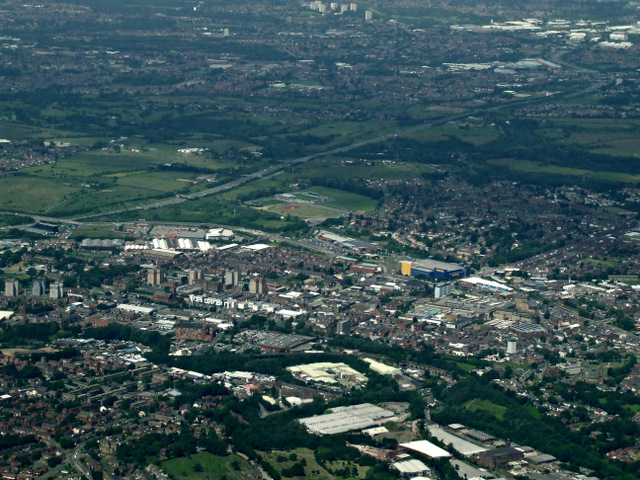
(11, 288)
(349, 243)
(278, 342)
(442, 290)
(101, 244)
(197, 331)
(482, 284)
(512, 346)
(499, 458)
(38, 287)
(344, 327)
(433, 268)
(47, 227)
(195, 275)
(426, 448)
(231, 278)
(365, 268)
(257, 286)
(368, 15)
(411, 468)
(347, 419)
(155, 276)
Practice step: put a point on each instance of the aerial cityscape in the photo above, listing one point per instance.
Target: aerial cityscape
(320, 240)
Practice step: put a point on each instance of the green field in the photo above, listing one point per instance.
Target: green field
(618, 137)
(25, 194)
(487, 406)
(96, 232)
(347, 200)
(536, 167)
(604, 263)
(281, 460)
(467, 367)
(304, 211)
(478, 135)
(212, 467)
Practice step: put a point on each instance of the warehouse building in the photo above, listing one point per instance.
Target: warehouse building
(411, 468)
(483, 284)
(426, 448)
(433, 269)
(347, 419)
(349, 243)
(499, 458)
(462, 446)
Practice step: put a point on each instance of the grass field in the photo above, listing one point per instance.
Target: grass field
(97, 232)
(26, 194)
(467, 367)
(478, 135)
(347, 200)
(604, 263)
(536, 167)
(281, 461)
(607, 136)
(304, 211)
(213, 467)
(487, 406)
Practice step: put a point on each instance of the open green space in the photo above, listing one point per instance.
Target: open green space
(284, 462)
(487, 406)
(96, 232)
(212, 210)
(475, 134)
(529, 166)
(467, 367)
(25, 194)
(601, 262)
(347, 200)
(618, 137)
(304, 211)
(204, 465)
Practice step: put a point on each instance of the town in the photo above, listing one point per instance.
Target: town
(102, 341)
(323, 240)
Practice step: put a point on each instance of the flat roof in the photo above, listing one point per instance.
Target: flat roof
(527, 328)
(227, 247)
(426, 448)
(327, 372)
(257, 247)
(431, 264)
(345, 419)
(381, 368)
(136, 308)
(487, 283)
(411, 466)
(465, 447)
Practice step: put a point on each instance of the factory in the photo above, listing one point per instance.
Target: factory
(481, 283)
(347, 419)
(433, 269)
(348, 243)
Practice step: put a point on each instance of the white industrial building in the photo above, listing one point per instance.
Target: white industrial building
(461, 445)
(411, 468)
(484, 284)
(347, 419)
(426, 448)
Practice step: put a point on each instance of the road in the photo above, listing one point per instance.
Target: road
(73, 459)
